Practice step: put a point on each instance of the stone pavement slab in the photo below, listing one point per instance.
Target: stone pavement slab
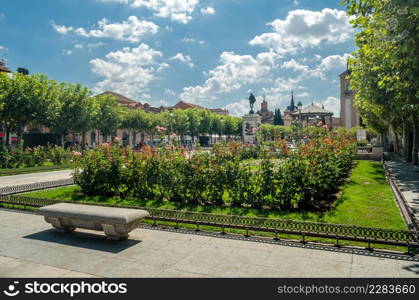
(29, 247)
(34, 178)
(406, 177)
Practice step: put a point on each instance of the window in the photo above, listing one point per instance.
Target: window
(347, 88)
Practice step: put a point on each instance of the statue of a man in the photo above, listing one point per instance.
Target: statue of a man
(252, 101)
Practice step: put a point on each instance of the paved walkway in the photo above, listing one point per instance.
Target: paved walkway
(406, 176)
(34, 178)
(30, 248)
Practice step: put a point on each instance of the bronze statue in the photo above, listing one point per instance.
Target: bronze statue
(252, 101)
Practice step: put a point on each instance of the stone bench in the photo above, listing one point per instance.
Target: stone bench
(115, 222)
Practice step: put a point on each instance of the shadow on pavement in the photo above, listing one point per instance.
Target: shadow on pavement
(83, 240)
(414, 268)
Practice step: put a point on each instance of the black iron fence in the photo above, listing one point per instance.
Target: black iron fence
(336, 232)
(9, 190)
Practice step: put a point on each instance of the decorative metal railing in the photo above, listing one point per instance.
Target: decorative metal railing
(274, 226)
(9, 190)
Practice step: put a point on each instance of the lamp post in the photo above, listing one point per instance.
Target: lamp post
(300, 107)
(171, 128)
(222, 123)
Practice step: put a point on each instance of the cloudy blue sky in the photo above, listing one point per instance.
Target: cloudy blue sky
(208, 52)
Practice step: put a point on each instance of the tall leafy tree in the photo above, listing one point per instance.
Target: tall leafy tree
(26, 99)
(194, 119)
(205, 122)
(385, 68)
(23, 71)
(278, 118)
(110, 115)
(136, 121)
(180, 123)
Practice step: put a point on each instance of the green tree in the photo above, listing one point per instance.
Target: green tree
(180, 123)
(76, 113)
(136, 121)
(23, 71)
(205, 122)
(193, 122)
(26, 99)
(110, 115)
(385, 67)
(278, 118)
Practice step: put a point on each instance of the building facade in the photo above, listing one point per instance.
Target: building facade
(290, 110)
(349, 115)
(3, 67)
(267, 115)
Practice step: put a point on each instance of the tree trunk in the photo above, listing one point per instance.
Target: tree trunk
(134, 137)
(396, 143)
(20, 140)
(83, 140)
(8, 144)
(409, 144)
(415, 139)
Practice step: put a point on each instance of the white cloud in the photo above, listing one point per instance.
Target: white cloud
(130, 30)
(169, 92)
(88, 46)
(294, 65)
(327, 64)
(177, 10)
(67, 52)
(239, 108)
(208, 10)
(119, 1)
(282, 88)
(127, 71)
(306, 28)
(331, 104)
(192, 40)
(61, 29)
(162, 66)
(186, 59)
(302, 95)
(234, 71)
(3, 48)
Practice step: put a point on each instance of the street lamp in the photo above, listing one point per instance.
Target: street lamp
(300, 107)
(222, 124)
(171, 129)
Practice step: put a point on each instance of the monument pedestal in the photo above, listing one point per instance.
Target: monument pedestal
(251, 123)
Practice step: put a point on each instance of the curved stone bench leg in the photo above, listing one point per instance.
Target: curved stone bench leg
(56, 223)
(112, 232)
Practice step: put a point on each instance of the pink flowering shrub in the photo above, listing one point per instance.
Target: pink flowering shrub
(304, 177)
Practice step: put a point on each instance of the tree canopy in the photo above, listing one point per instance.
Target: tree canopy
(384, 71)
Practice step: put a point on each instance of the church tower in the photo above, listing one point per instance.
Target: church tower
(349, 115)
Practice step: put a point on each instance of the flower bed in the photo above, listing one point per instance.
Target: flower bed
(304, 177)
(34, 157)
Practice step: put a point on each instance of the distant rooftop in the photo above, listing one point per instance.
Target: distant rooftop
(146, 107)
(313, 109)
(3, 67)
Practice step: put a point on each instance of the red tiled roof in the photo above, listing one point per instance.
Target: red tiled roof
(4, 69)
(121, 99)
(146, 107)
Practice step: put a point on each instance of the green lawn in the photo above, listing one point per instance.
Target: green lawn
(45, 168)
(366, 200)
